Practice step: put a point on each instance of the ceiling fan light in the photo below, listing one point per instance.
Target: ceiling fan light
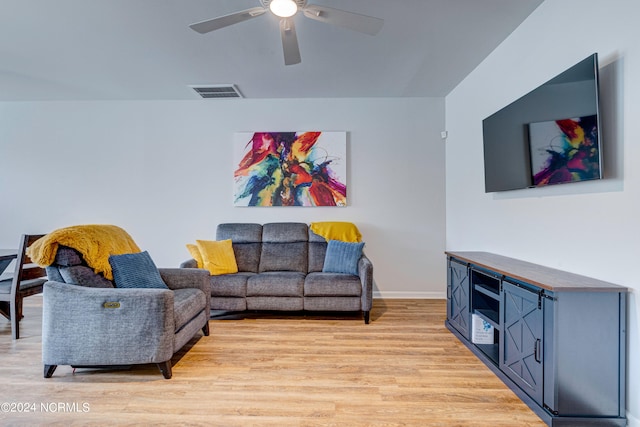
(283, 8)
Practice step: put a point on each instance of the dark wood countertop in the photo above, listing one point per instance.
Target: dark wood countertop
(544, 277)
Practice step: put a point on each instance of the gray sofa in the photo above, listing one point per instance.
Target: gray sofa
(280, 268)
(87, 322)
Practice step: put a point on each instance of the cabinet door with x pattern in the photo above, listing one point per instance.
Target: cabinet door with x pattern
(522, 327)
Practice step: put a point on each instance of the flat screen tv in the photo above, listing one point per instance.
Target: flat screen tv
(549, 136)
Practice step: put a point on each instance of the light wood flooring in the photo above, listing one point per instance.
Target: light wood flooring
(266, 369)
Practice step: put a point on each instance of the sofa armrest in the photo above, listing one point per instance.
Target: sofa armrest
(106, 326)
(180, 278)
(365, 272)
(190, 263)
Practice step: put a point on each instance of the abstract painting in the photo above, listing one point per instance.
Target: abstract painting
(564, 150)
(290, 169)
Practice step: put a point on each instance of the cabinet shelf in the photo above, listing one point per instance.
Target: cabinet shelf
(490, 350)
(491, 316)
(487, 290)
(485, 297)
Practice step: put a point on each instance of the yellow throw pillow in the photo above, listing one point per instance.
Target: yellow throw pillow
(218, 256)
(195, 254)
(337, 230)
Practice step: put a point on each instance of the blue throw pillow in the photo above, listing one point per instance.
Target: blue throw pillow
(135, 271)
(342, 257)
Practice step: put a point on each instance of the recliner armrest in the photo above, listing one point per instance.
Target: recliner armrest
(180, 278)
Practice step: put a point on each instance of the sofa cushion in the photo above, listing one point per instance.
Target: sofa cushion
(240, 232)
(284, 247)
(247, 256)
(246, 239)
(81, 275)
(284, 257)
(53, 273)
(66, 256)
(275, 303)
(69, 267)
(332, 284)
(218, 256)
(230, 285)
(187, 303)
(332, 303)
(276, 283)
(228, 303)
(317, 251)
(135, 270)
(342, 257)
(285, 232)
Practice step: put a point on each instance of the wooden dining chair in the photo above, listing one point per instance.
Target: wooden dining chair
(27, 280)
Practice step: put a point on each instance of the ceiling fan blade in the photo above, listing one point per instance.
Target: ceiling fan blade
(289, 42)
(224, 21)
(342, 18)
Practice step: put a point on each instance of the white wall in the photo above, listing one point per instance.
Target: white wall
(587, 228)
(163, 171)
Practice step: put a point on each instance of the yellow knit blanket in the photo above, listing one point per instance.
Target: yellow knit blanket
(95, 242)
(336, 230)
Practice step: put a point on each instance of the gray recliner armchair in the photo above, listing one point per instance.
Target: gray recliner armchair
(88, 323)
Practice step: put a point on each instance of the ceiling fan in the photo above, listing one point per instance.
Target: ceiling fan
(286, 9)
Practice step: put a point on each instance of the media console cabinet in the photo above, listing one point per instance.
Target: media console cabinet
(557, 339)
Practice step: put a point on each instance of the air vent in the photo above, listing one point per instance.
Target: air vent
(217, 91)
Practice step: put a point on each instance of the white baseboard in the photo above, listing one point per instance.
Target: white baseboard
(632, 421)
(409, 295)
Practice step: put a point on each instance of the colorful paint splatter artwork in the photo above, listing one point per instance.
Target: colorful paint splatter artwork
(290, 169)
(564, 150)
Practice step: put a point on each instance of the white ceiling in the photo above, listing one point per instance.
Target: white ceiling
(144, 49)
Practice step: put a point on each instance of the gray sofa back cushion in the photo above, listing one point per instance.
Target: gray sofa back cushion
(82, 275)
(317, 252)
(284, 247)
(240, 232)
(69, 267)
(246, 239)
(67, 257)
